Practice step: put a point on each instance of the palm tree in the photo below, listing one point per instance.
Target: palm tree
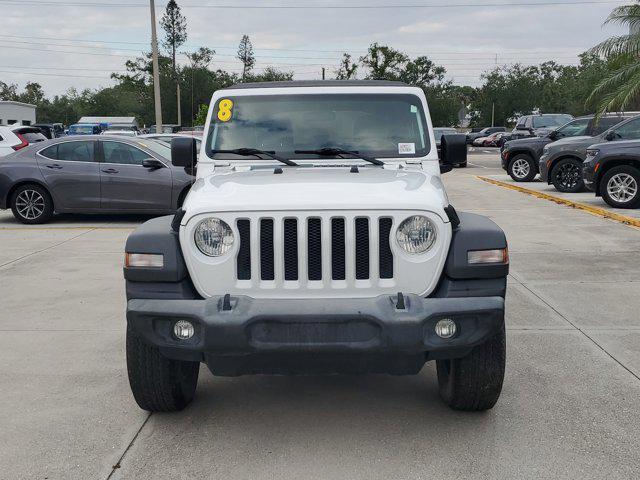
(620, 88)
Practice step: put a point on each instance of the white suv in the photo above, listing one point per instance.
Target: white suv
(317, 239)
(15, 137)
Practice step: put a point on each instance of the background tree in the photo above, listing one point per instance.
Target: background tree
(196, 73)
(175, 29)
(347, 69)
(245, 55)
(620, 87)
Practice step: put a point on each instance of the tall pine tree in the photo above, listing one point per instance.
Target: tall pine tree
(174, 25)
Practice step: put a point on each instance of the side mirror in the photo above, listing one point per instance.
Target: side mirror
(521, 127)
(152, 164)
(454, 151)
(610, 136)
(553, 135)
(184, 152)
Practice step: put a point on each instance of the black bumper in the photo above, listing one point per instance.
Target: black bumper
(588, 176)
(228, 340)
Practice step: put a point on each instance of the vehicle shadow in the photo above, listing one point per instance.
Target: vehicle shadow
(83, 220)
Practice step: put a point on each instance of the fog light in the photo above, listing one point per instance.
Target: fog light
(183, 330)
(446, 328)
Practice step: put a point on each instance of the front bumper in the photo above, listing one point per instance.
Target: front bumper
(504, 159)
(543, 169)
(588, 175)
(250, 326)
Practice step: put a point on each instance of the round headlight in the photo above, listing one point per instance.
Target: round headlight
(416, 234)
(213, 237)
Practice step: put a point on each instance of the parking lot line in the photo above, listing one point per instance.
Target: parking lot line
(598, 212)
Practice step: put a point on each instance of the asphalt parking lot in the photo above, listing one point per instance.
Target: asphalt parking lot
(570, 407)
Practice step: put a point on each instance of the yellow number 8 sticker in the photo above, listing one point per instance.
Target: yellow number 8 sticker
(224, 110)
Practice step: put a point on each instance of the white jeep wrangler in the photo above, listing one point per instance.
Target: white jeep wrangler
(317, 239)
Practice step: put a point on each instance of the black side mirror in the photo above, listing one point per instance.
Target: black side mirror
(454, 151)
(610, 136)
(152, 164)
(184, 152)
(553, 135)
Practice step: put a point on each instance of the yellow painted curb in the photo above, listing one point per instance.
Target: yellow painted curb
(598, 212)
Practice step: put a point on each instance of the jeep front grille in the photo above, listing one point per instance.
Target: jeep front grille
(291, 249)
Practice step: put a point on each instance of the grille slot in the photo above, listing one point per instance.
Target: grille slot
(314, 248)
(386, 256)
(243, 262)
(362, 248)
(266, 249)
(337, 249)
(291, 249)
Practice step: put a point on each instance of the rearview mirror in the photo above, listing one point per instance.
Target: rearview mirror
(152, 163)
(454, 151)
(184, 152)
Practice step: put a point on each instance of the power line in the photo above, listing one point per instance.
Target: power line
(316, 7)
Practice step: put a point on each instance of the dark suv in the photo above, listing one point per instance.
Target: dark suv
(520, 157)
(538, 125)
(561, 161)
(612, 171)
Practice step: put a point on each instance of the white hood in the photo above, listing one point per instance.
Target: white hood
(317, 188)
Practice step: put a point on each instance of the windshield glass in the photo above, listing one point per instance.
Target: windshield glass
(88, 129)
(439, 132)
(550, 120)
(574, 128)
(378, 125)
(156, 147)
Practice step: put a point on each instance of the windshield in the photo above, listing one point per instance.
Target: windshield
(156, 147)
(574, 128)
(378, 125)
(439, 132)
(88, 129)
(550, 120)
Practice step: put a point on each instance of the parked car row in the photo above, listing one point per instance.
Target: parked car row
(602, 155)
(17, 137)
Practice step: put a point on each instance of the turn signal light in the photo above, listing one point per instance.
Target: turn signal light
(148, 260)
(500, 255)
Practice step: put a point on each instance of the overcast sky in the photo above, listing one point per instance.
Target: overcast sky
(61, 45)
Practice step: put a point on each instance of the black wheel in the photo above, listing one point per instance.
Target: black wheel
(566, 175)
(462, 165)
(31, 204)
(474, 382)
(522, 168)
(620, 187)
(159, 384)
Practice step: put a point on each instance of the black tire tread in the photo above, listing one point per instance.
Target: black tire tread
(159, 384)
(474, 382)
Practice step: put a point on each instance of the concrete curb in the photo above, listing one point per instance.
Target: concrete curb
(598, 212)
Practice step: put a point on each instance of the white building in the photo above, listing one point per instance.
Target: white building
(17, 113)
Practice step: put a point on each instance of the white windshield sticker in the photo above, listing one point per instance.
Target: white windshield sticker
(406, 148)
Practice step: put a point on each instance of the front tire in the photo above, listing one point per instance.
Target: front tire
(473, 383)
(566, 176)
(620, 187)
(521, 168)
(159, 384)
(31, 204)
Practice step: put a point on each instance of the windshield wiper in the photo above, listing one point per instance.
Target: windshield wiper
(332, 151)
(254, 152)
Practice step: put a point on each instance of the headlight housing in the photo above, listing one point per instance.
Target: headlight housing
(592, 152)
(213, 237)
(416, 234)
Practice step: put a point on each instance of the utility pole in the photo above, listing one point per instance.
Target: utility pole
(323, 73)
(493, 105)
(156, 68)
